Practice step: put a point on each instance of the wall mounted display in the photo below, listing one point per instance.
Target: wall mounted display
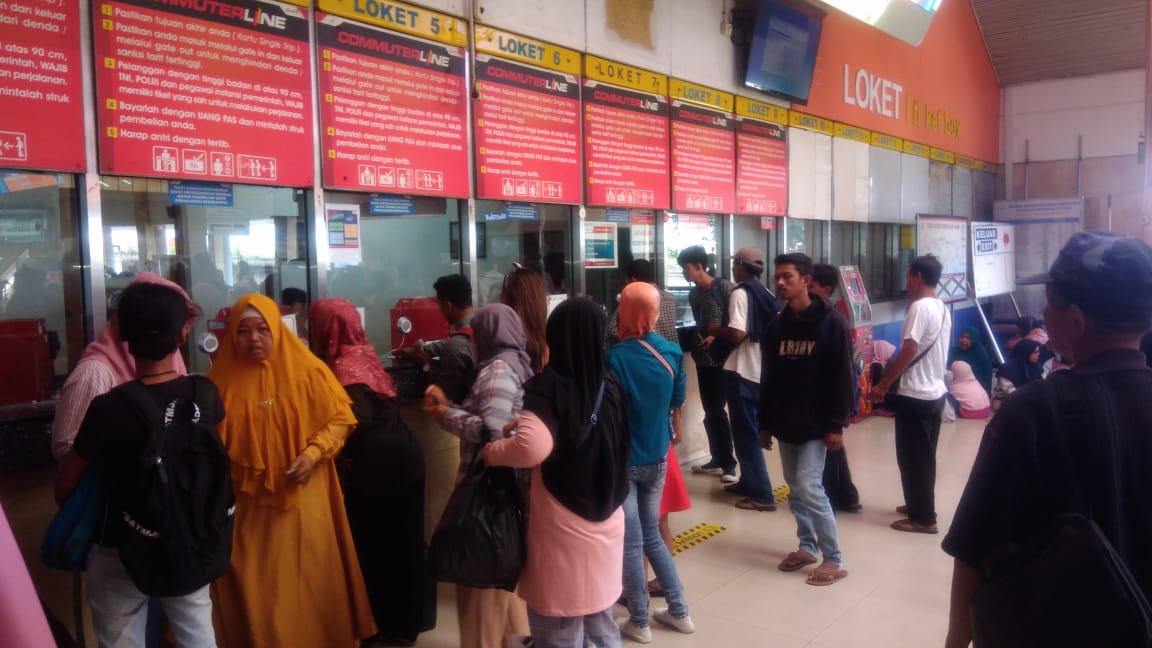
(946, 237)
(625, 135)
(40, 90)
(393, 110)
(703, 149)
(761, 158)
(993, 259)
(216, 91)
(527, 121)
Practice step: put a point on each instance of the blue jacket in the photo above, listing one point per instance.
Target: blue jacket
(652, 392)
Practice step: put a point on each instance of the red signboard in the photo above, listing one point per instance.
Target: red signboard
(703, 159)
(761, 168)
(393, 111)
(626, 147)
(40, 89)
(216, 90)
(527, 133)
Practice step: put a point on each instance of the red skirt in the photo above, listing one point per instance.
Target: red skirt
(675, 496)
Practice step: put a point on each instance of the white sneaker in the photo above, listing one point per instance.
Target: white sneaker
(707, 469)
(729, 478)
(630, 630)
(663, 616)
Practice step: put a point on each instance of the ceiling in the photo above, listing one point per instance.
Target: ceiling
(1036, 40)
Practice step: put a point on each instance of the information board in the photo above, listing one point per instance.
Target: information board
(946, 237)
(215, 90)
(527, 133)
(761, 167)
(993, 259)
(393, 111)
(626, 146)
(40, 89)
(703, 159)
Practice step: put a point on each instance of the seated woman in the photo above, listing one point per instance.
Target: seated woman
(970, 350)
(487, 616)
(382, 472)
(968, 395)
(1021, 368)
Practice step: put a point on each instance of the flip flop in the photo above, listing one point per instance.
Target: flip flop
(908, 526)
(749, 504)
(795, 561)
(827, 577)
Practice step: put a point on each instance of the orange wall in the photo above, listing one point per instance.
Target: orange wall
(949, 76)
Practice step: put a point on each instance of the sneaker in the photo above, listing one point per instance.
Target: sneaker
(707, 469)
(729, 477)
(683, 624)
(630, 630)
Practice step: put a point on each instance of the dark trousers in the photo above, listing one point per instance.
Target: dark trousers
(713, 396)
(917, 431)
(838, 480)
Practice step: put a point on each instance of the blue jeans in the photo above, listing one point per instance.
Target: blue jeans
(599, 629)
(642, 538)
(743, 410)
(803, 465)
(119, 610)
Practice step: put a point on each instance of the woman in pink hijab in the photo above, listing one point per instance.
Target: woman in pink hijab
(104, 364)
(971, 400)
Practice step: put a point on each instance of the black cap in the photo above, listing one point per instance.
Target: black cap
(1104, 273)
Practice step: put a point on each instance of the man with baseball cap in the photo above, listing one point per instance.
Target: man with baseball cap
(1079, 441)
(750, 308)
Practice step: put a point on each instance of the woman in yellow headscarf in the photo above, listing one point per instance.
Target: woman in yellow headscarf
(295, 579)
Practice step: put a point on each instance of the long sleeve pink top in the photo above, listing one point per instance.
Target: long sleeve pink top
(574, 567)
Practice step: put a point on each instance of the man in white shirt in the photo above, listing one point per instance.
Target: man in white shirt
(919, 405)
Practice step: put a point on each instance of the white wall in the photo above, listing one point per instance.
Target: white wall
(1106, 109)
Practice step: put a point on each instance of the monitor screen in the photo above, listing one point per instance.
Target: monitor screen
(783, 53)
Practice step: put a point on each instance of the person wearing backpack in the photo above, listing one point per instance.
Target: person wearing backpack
(153, 435)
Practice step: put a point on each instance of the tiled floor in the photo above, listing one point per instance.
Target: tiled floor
(896, 594)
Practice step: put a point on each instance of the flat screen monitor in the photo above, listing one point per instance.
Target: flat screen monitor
(783, 53)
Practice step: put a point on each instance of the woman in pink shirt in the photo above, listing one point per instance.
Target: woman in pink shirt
(573, 432)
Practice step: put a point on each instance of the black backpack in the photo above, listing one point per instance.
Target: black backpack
(176, 522)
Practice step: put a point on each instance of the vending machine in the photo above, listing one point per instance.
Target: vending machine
(856, 307)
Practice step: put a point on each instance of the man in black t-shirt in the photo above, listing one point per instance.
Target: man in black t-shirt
(154, 322)
(1035, 462)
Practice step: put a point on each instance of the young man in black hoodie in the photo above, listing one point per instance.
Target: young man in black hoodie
(806, 393)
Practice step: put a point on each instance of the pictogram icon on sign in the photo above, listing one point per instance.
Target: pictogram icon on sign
(222, 164)
(405, 179)
(13, 145)
(194, 161)
(257, 167)
(367, 174)
(387, 176)
(164, 159)
(553, 189)
(507, 188)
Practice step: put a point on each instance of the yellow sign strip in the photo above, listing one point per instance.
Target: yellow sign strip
(625, 76)
(917, 149)
(698, 94)
(851, 132)
(940, 155)
(694, 536)
(401, 17)
(967, 162)
(760, 110)
(527, 50)
(887, 141)
(810, 122)
(989, 167)
(298, 3)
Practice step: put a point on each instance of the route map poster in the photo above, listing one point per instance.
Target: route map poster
(527, 133)
(40, 89)
(393, 111)
(626, 147)
(217, 91)
(703, 159)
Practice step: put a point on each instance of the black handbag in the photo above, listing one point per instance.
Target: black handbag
(479, 541)
(1065, 585)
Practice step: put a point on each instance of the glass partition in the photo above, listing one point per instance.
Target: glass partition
(633, 236)
(686, 230)
(535, 235)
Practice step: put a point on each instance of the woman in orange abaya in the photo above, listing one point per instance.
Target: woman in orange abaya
(294, 580)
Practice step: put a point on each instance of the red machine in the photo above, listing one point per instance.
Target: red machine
(27, 374)
(856, 307)
(417, 318)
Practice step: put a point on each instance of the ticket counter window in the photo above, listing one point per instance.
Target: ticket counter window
(41, 292)
(807, 236)
(613, 238)
(217, 241)
(682, 231)
(534, 235)
(384, 251)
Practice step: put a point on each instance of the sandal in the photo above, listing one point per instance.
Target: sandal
(826, 574)
(795, 560)
(749, 504)
(909, 526)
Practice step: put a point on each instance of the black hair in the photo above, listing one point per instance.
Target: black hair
(151, 319)
(693, 254)
(826, 275)
(290, 296)
(454, 288)
(801, 261)
(929, 269)
(640, 270)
